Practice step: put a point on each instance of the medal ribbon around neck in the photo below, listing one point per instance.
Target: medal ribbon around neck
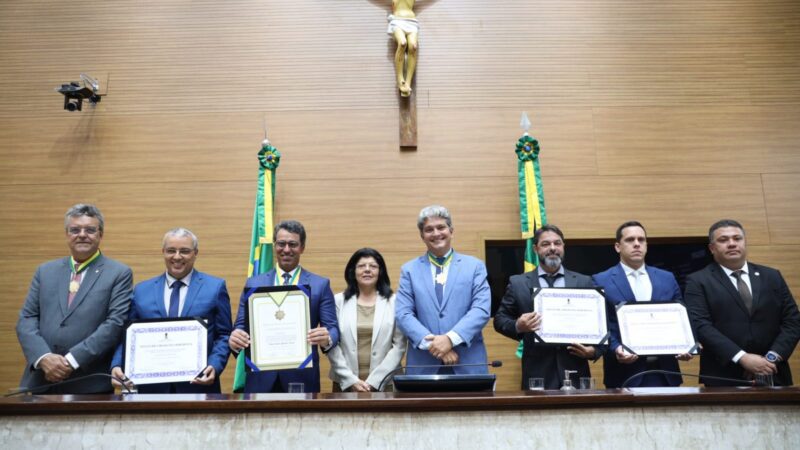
(78, 268)
(446, 262)
(292, 282)
(441, 278)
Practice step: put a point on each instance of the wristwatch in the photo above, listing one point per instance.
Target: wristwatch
(772, 357)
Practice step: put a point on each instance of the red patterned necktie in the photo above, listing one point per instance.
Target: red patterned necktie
(76, 278)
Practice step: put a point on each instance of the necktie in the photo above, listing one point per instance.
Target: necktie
(286, 278)
(76, 278)
(175, 298)
(439, 286)
(744, 291)
(551, 279)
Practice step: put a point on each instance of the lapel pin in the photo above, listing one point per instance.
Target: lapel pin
(757, 274)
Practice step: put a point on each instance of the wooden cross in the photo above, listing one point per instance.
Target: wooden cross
(408, 121)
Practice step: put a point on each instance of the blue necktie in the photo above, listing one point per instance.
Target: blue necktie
(175, 298)
(439, 286)
(286, 277)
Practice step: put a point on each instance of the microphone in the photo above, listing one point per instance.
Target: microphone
(68, 381)
(495, 363)
(668, 372)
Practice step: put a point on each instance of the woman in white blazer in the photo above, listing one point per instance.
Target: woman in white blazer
(370, 344)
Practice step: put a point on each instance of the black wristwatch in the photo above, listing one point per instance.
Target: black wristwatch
(772, 357)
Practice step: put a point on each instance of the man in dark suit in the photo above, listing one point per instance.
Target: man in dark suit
(184, 292)
(289, 239)
(631, 280)
(743, 313)
(73, 315)
(515, 317)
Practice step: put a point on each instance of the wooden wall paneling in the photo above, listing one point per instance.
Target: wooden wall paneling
(674, 205)
(675, 114)
(697, 140)
(782, 197)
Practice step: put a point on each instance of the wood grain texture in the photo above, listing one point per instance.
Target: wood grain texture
(673, 113)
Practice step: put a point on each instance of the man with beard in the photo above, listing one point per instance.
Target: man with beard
(515, 317)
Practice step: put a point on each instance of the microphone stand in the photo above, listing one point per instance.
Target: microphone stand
(68, 381)
(668, 372)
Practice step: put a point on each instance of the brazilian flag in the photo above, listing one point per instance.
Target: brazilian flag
(532, 213)
(261, 246)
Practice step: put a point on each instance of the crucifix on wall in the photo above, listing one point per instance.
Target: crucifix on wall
(404, 28)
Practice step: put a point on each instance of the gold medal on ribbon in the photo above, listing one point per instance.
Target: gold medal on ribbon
(73, 286)
(441, 278)
(280, 314)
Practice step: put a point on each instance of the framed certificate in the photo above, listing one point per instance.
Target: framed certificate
(278, 318)
(165, 350)
(570, 316)
(655, 328)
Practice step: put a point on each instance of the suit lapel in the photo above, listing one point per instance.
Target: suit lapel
(271, 277)
(621, 282)
(532, 281)
(453, 272)
(305, 278)
(424, 273)
(719, 275)
(64, 275)
(90, 277)
(157, 294)
(570, 279)
(655, 283)
(755, 283)
(350, 313)
(195, 285)
(378, 321)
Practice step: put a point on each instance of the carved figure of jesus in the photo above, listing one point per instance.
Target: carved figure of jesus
(404, 27)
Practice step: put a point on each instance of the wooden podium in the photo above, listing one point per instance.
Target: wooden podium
(637, 418)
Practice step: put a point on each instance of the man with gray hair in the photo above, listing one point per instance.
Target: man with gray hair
(184, 292)
(443, 302)
(74, 312)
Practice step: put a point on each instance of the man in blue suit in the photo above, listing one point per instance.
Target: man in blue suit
(184, 292)
(443, 302)
(289, 238)
(629, 281)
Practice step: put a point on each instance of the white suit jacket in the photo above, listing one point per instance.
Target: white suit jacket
(388, 343)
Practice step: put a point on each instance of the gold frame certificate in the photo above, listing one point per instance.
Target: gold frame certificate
(279, 320)
(165, 350)
(571, 316)
(655, 328)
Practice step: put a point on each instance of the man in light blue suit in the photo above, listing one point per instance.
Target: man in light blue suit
(184, 292)
(630, 281)
(289, 238)
(443, 302)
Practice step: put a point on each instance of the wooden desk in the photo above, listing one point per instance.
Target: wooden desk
(638, 418)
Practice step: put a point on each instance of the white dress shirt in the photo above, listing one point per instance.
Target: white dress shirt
(184, 289)
(640, 283)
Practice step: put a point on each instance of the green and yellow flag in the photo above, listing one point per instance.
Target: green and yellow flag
(532, 213)
(261, 240)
